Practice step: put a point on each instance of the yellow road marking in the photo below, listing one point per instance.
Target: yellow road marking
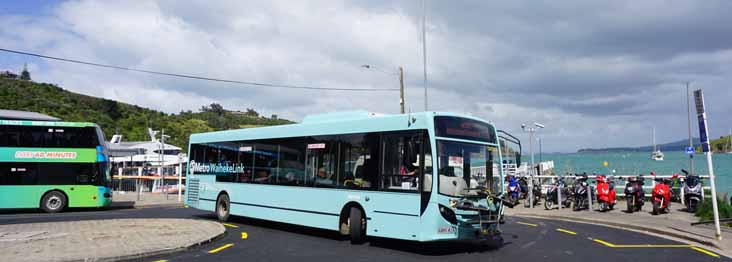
(230, 225)
(220, 248)
(608, 244)
(244, 235)
(527, 224)
(161, 260)
(566, 231)
(611, 245)
(705, 251)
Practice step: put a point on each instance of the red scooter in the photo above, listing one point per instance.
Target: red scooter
(605, 193)
(661, 195)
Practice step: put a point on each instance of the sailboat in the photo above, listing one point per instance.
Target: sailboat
(656, 155)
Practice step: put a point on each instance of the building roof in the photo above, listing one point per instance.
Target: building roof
(25, 115)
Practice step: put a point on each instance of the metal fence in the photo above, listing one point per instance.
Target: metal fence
(164, 180)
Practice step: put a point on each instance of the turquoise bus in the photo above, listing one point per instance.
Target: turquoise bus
(53, 165)
(357, 173)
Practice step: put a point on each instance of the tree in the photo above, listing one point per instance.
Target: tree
(251, 112)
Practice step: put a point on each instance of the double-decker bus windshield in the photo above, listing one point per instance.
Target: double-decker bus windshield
(465, 167)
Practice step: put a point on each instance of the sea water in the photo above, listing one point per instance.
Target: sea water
(635, 163)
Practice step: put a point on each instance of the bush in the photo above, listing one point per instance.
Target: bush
(705, 210)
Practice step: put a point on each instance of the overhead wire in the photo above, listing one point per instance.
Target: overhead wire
(204, 78)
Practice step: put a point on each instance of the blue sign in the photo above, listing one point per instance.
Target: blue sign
(689, 150)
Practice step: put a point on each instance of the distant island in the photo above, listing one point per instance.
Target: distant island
(718, 145)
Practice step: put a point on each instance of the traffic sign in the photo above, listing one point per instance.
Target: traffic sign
(689, 150)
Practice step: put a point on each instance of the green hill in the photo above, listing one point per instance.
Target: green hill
(131, 121)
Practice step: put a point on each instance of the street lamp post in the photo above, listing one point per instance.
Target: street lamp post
(531, 131)
(401, 84)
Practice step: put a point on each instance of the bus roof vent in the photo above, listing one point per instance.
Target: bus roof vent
(338, 116)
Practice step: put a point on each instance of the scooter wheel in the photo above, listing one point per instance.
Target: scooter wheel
(656, 208)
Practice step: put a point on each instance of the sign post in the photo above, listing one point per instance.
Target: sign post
(704, 137)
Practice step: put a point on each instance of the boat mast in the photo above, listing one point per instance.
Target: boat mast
(654, 139)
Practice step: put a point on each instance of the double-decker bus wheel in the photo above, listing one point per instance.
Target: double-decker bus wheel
(53, 202)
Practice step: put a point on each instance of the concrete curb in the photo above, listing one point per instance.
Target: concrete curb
(159, 252)
(635, 228)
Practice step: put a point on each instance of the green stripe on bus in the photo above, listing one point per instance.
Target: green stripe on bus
(44, 123)
(49, 155)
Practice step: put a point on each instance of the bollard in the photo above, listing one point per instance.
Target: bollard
(559, 194)
(137, 182)
(531, 192)
(589, 197)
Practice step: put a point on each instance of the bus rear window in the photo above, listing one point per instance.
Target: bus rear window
(463, 128)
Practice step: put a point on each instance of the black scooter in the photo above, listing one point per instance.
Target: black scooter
(634, 194)
(552, 195)
(580, 193)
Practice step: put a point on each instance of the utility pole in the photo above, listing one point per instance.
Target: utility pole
(688, 116)
(401, 90)
(424, 51)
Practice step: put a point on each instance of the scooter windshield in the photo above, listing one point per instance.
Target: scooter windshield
(692, 181)
(465, 167)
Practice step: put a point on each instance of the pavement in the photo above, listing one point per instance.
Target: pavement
(122, 199)
(102, 240)
(675, 225)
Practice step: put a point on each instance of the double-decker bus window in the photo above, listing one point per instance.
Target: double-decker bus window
(400, 169)
(18, 174)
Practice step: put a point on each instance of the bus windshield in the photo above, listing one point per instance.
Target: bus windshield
(466, 167)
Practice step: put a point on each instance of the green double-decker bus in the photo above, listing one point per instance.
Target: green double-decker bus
(53, 165)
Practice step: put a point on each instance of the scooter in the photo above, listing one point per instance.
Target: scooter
(513, 189)
(692, 190)
(552, 195)
(661, 194)
(605, 193)
(580, 193)
(634, 194)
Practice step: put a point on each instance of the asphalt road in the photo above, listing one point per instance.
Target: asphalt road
(526, 240)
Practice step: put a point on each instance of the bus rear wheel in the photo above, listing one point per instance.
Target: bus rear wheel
(357, 226)
(53, 202)
(222, 208)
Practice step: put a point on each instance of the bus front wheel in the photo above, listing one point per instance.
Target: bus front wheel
(222, 207)
(357, 226)
(53, 202)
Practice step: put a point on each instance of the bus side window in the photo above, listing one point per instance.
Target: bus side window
(400, 169)
(357, 165)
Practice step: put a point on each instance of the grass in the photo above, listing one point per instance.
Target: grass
(705, 211)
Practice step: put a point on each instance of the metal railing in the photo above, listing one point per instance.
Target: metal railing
(164, 180)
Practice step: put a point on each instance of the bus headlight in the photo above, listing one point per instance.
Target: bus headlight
(448, 214)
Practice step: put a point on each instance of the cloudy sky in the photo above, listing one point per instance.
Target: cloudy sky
(597, 74)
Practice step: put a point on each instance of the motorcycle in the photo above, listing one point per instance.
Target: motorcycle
(661, 194)
(692, 191)
(513, 189)
(605, 193)
(634, 195)
(552, 195)
(536, 192)
(581, 187)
